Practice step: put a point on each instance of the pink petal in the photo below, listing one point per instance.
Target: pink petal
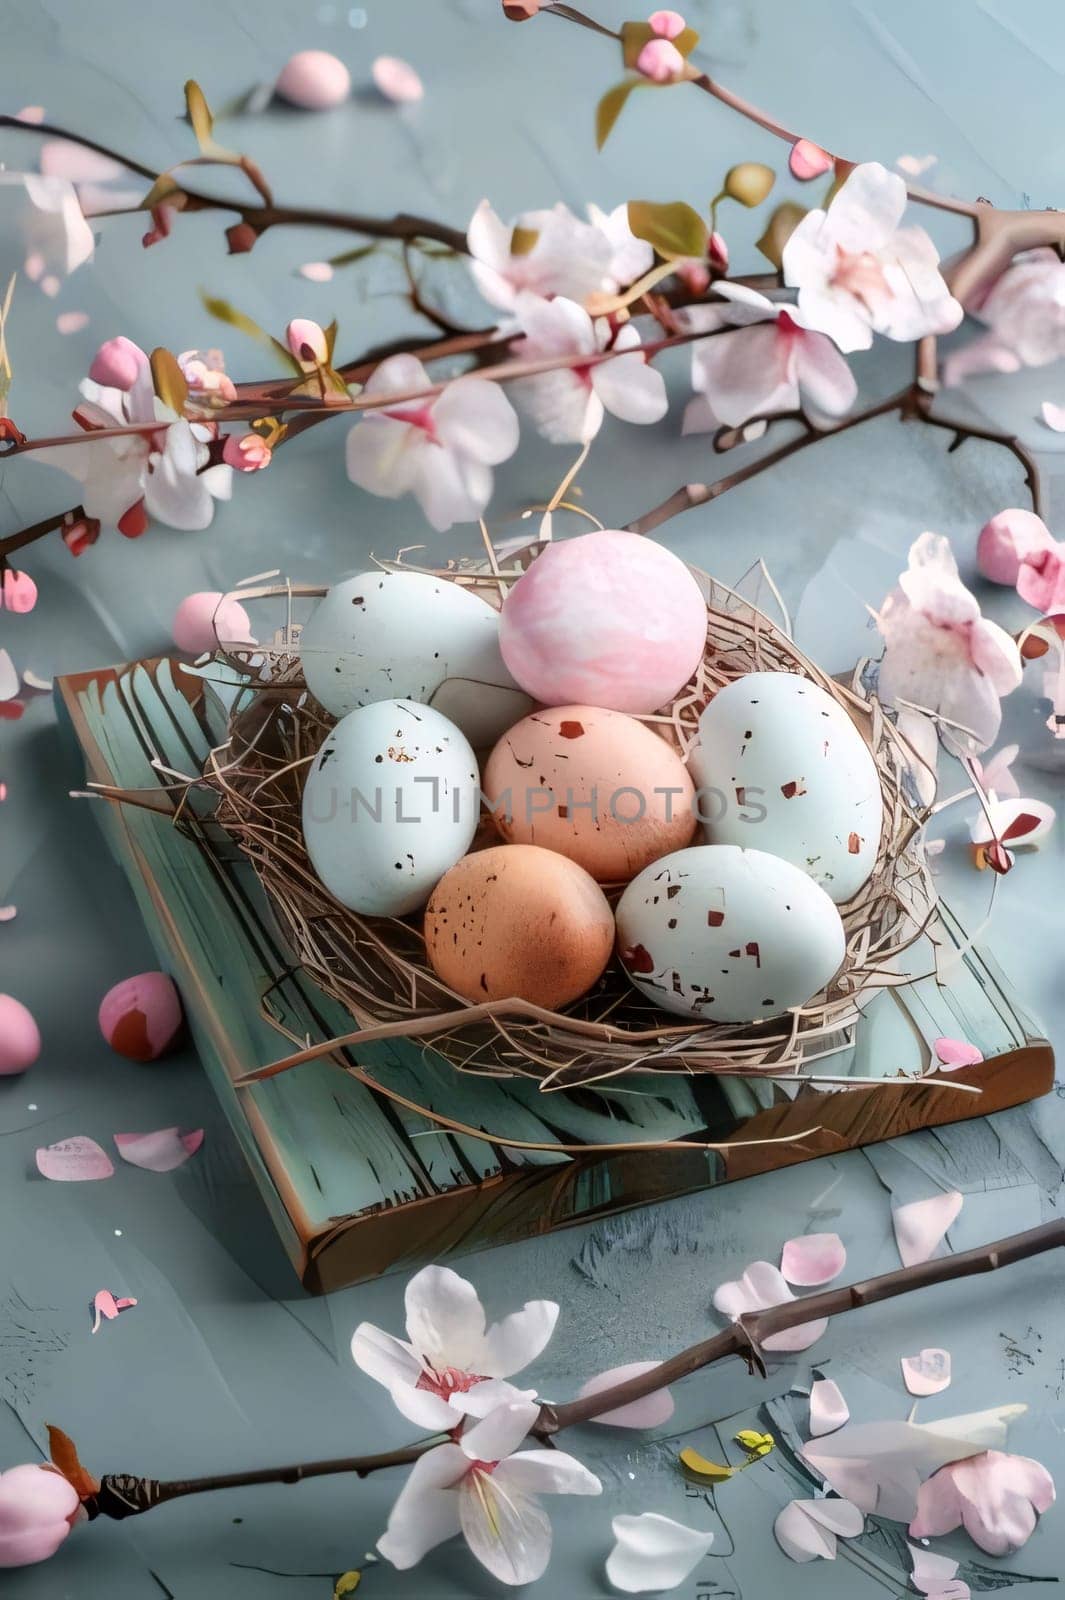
(397, 80)
(828, 1409)
(813, 1259)
(926, 1373)
(659, 60)
(936, 1576)
(50, 285)
(913, 166)
(957, 1053)
(71, 321)
(920, 1227)
(667, 24)
(62, 158)
(808, 160)
(31, 114)
(76, 1160)
(105, 1305)
(1053, 416)
(649, 1412)
(9, 680)
(800, 1538)
(161, 1151)
(8, 913)
(316, 271)
(18, 592)
(1007, 540)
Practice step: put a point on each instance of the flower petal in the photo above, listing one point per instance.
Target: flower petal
(500, 1432)
(161, 1151)
(957, 1053)
(422, 1407)
(652, 1552)
(826, 383)
(762, 1285)
(745, 373)
(427, 1510)
(800, 1537)
(517, 1340)
(828, 1409)
(813, 1259)
(926, 1373)
(506, 1530)
(475, 417)
(921, 1226)
(807, 160)
(630, 388)
(548, 1472)
(383, 1357)
(484, 1397)
(445, 1318)
(75, 1160)
(650, 1412)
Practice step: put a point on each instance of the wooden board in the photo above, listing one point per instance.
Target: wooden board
(357, 1184)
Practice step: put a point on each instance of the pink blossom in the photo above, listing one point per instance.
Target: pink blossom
(118, 363)
(205, 373)
(1007, 540)
(38, 1508)
(568, 405)
(441, 450)
(1024, 311)
(772, 362)
(248, 453)
(566, 256)
(307, 342)
(660, 61)
(630, 257)
(994, 1496)
(940, 654)
(859, 273)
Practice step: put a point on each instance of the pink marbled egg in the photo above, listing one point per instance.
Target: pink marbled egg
(314, 80)
(607, 619)
(141, 1017)
(207, 618)
(20, 1038)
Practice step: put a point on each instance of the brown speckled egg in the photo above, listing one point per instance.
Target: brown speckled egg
(595, 785)
(516, 920)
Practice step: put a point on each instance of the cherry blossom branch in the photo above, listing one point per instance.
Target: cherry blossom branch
(121, 1495)
(18, 541)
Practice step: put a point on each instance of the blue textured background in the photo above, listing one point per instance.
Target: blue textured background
(224, 1363)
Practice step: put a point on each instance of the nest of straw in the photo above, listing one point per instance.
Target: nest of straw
(377, 967)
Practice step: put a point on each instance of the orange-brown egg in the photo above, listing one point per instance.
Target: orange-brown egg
(597, 786)
(516, 920)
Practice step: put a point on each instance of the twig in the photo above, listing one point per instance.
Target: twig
(122, 1495)
(18, 541)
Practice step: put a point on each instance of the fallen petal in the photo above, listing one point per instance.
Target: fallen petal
(71, 321)
(828, 1409)
(953, 1053)
(813, 1259)
(800, 1537)
(316, 271)
(1053, 416)
(926, 1373)
(161, 1151)
(397, 80)
(652, 1552)
(936, 1576)
(649, 1412)
(37, 684)
(920, 1227)
(9, 681)
(76, 1160)
(807, 160)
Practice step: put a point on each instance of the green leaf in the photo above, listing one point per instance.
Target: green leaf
(244, 324)
(610, 108)
(199, 115)
(674, 228)
(523, 240)
(360, 252)
(781, 226)
(330, 337)
(169, 380)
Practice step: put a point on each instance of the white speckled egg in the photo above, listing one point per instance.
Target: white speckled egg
(408, 635)
(780, 766)
(390, 803)
(728, 935)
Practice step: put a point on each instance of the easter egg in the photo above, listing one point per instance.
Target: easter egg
(594, 785)
(408, 635)
(728, 935)
(607, 619)
(141, 1017)
(20, 1037)
(390, 802)
(780, 765)
(314, 80)
(518, 921)
(207, 619)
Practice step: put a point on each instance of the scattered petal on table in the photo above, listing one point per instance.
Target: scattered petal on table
(397, 80)
(913, 166)
(763, 1285)
(649, 1412)
(828, 1409)
(76, 1160)
(806, 1529)
(105, 1305)
(161, 1151)
(921, 1226)
(8, 913)
(9, 682)
(993, 1495)
(71, 321)
(1053, 416)
(316, 271)
(653, 1552)
(926, 1373)
(954, 1053)
(936, 1576)
(813, 1259)
(40, 685)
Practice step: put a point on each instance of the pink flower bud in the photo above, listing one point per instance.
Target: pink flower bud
(118, 364)
(307, 341)
(660, 61)
(1007, 540)
(20, 1042)
(666, 24)
(241, 238)
(249, 453)
(206, 619)
(37, 1511)
(18, 592)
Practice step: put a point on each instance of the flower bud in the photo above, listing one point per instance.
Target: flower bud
(749, 183)
(118, 364)
(660, 61)
(246, 453)
(520, 10)
(18, 592)
(307, 341)
(241, 238)
(37, 1510)
(666, 24)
